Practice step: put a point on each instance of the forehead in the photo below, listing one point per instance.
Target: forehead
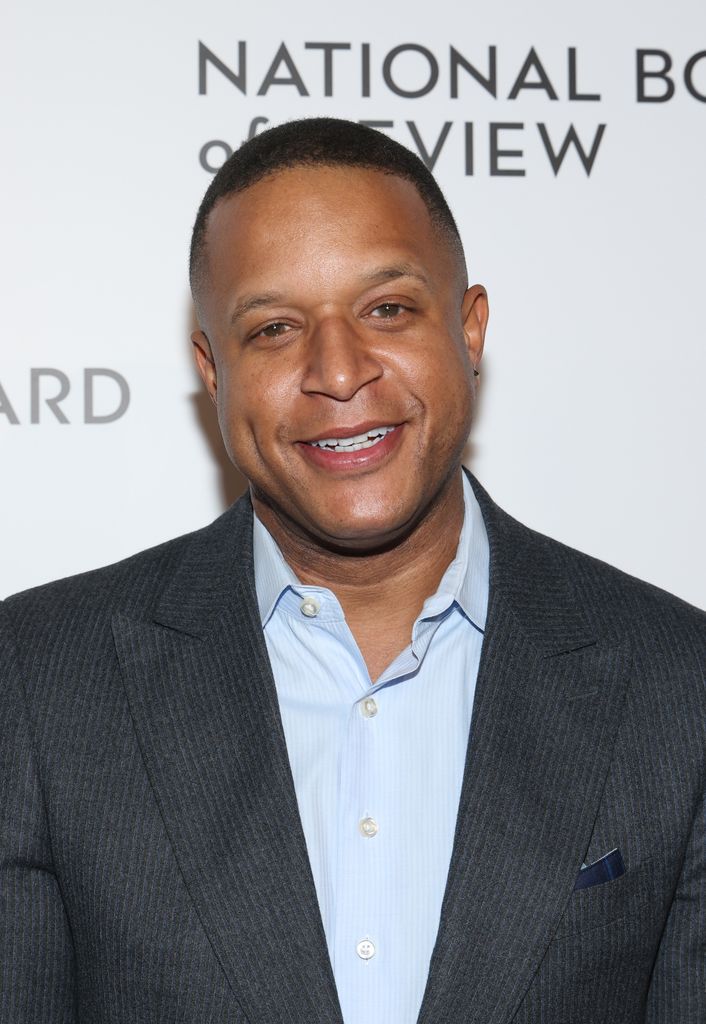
(308, 210)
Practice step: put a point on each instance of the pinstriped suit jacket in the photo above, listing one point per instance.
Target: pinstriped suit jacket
(152, 862)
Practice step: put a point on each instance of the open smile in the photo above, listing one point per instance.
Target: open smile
(357, 449)
(356, 443)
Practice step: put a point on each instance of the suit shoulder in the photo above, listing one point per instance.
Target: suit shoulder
(130, 585)
(622, 586)
(619, 601)
(528, 560)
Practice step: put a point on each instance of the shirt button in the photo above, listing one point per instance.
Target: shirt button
(365, 949)
(368, 827)
(310, 607)
(369, 708)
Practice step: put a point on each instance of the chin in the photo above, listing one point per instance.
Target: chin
(361, 531)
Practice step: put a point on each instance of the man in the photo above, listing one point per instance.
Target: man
(366, 748)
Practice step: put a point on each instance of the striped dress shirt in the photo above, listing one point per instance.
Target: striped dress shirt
(377, 768)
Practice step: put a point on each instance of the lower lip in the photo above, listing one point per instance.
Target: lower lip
(342, 462)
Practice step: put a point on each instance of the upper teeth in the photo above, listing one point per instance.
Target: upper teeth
(354, 444)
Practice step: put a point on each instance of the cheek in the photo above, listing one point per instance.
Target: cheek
(252, 401)
(451, 422)
(443, 383)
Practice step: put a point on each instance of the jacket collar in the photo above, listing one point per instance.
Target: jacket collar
(526, 572)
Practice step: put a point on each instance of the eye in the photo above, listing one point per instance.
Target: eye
(273, 330)
(388, 310)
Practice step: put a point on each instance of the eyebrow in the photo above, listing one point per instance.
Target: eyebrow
(378, 274)
(255, 302)
(391, 273)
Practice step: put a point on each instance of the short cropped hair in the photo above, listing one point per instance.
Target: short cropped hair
(318, 141)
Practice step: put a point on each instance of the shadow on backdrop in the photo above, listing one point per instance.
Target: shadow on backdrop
(232, 483)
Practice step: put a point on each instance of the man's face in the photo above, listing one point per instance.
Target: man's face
(334, 311)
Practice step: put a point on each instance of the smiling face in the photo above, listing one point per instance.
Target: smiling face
(338, 344)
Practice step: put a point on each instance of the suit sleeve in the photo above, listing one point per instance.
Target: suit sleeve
(36, 952)
(678, 987)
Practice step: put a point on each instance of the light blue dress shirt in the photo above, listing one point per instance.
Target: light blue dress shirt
(377, 768)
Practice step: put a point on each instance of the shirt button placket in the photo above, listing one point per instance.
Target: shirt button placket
(365, 949)
(368, 829)
(369, 707)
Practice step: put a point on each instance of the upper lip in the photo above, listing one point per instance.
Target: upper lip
(348, 431)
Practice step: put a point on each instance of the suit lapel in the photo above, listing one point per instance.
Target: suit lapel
(547, 707)
(205, 710)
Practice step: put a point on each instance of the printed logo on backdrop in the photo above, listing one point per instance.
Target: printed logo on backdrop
(412, 71)
(49, 395)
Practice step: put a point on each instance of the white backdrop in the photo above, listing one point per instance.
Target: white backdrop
(592, 413)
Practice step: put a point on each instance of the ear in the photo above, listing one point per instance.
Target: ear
(474, 313)
(205, 362)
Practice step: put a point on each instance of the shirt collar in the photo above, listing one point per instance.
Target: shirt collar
(465, 580)
(273, 575)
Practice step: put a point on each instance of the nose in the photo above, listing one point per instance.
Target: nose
(339, 362)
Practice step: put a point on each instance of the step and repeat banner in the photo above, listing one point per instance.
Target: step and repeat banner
(570, 140)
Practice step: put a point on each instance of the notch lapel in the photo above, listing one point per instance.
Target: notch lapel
(205, 710)
(547, 706)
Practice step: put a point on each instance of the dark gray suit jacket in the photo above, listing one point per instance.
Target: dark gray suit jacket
(153, 866)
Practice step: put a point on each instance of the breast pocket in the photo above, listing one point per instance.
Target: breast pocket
(608, 902)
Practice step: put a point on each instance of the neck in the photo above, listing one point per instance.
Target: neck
(381, 591)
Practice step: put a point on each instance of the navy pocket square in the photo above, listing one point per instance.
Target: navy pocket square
(604, 870)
